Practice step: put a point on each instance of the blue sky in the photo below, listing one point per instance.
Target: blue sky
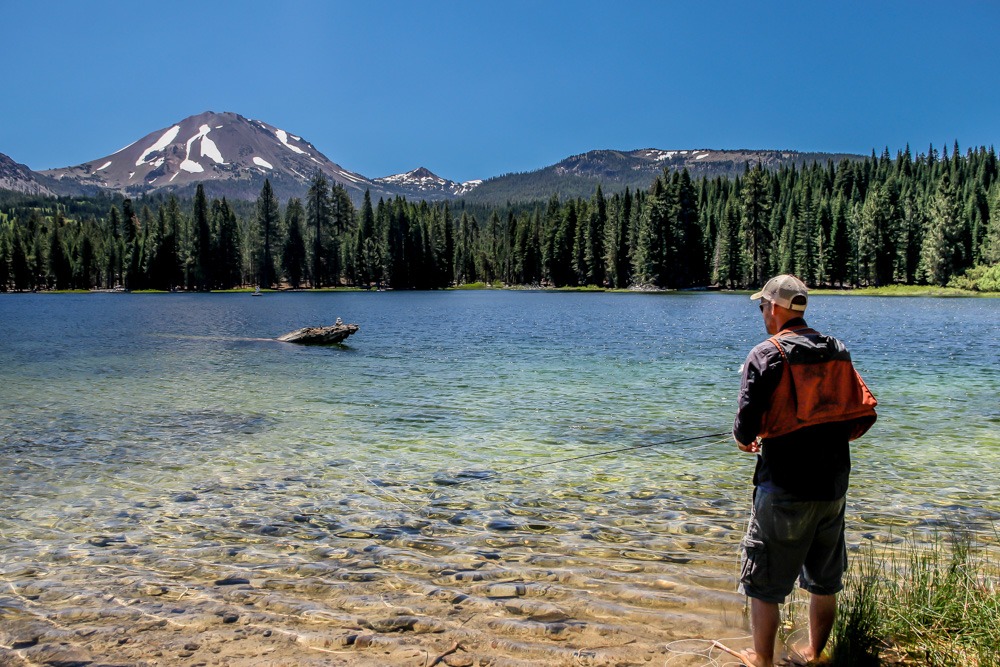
(476, 89)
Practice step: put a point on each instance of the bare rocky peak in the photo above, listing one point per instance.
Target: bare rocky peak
(20, 178)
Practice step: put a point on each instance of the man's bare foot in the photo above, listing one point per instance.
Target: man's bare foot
(747, 656)
(751, 659)
(804, 656)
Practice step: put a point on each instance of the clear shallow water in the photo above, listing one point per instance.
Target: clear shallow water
(157, 444)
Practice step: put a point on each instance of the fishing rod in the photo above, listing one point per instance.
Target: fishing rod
(588, 456)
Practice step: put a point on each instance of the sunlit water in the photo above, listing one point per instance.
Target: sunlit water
(165, 464)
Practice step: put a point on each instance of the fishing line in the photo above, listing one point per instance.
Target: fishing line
(492, 476)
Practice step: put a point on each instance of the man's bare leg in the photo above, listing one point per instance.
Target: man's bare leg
(764, 620)
(822, 612)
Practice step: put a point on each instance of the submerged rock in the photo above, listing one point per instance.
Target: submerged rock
(331, 335)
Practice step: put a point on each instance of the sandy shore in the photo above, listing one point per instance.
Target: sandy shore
(322, 614)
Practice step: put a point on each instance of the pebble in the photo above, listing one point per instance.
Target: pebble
(458, 660)
(106, 540)
(394, 624)
(232, 581)
(63, 655)
(185, 498)
(505, 590)
(25, 641)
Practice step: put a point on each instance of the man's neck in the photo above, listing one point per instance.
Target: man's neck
(797, 321)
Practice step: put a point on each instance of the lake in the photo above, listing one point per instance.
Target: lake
(179, 488)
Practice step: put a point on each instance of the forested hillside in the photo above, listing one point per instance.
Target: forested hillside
(929, 219)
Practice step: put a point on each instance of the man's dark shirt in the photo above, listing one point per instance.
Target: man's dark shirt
(813, 463)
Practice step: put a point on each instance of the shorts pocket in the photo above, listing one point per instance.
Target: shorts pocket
(753, 572)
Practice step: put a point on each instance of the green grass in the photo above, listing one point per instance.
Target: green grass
(904, 290)
(935, 606)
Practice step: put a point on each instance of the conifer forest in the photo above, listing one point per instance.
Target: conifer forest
(930, 219)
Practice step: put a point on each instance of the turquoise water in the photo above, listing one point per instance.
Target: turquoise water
(165, 440)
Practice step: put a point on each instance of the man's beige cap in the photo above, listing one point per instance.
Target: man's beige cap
(783, 291)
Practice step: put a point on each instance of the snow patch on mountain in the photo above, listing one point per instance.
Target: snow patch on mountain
(661, 155)
(164, 141)
(208, 147)
(104, 166)
(424, 182)
(283, 138)
(261, 162)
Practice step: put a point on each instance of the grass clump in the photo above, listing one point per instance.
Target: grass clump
(938, 606)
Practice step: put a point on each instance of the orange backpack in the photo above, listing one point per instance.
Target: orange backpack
(819, 385)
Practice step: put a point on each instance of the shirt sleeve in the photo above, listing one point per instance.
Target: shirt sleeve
(761, 373)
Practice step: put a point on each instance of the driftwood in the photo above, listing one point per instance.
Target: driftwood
(331, 335)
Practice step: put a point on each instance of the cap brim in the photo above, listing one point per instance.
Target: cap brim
(754, 297)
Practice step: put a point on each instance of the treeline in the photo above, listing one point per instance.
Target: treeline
(930, 219)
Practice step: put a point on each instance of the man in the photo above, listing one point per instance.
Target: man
(800, 403)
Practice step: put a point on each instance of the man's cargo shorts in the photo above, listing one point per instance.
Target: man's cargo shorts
(789, 538)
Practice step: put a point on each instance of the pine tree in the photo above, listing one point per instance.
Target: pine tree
(445, 238)
(466, 240)
(268, 221)
(687, 243)
(990, 248)
(910, 237)
(877, 235)
(940, 254)
(38, 262)
(805, 238)
(786, 257)
(726, 262)
(551, 253)
(821, 240)
(5, 259)
(615, 245)
(226, 244)
(319, 219)
(112, 249)
(201, 250)
(293, 256)
(131, 250)
(152, 248)
(20, 267)
(342, 221)
(173, 266)
(60, 269)
(755, 217)
(653, 256)
(368, 247)
(597, 219)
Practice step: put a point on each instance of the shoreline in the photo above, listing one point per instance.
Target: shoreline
(925, 291)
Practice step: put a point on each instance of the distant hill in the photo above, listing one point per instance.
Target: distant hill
(579, 175)
(232, 156)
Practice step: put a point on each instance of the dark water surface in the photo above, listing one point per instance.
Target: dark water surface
(163, 443)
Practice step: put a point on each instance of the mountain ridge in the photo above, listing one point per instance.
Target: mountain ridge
(232, 156)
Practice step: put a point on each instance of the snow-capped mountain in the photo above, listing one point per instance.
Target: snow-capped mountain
(614, 171)
(425, 184)
(233, 153)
